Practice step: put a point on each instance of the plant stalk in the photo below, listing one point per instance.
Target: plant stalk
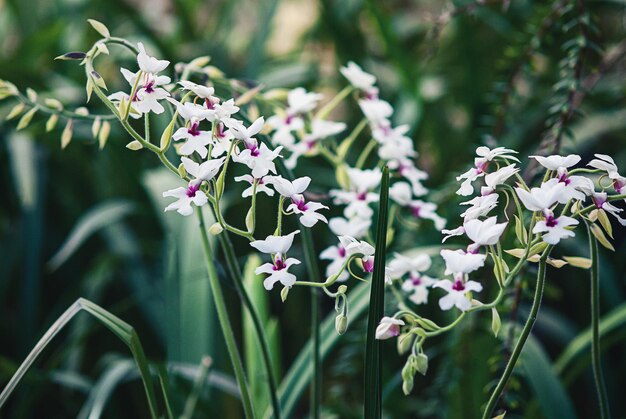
(521, 341)
(223, 317)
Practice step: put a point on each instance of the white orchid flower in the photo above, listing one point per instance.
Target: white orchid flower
(148, 93)
(600, 201)
(149, 64)
(460, 262)
(204, 171)
(401, 265)
(417, 286)
(307, 210)
(500, 176)
(242, 133)
(484, 232)
(299, 101)
(278, 272)
(427, 210)
(356, 247)
(457, 293)
(377, 111)
(479, 206)
(275, 245)
(337, 256)
(358, 78)
(557, 162)
(258, 158)
(606, 163)
(261, 185)
(185, 197)
(538, 199)
(203, 92)
(354, 227)
(388, 327)
(288, 188)
(555, 228)
(485, 156)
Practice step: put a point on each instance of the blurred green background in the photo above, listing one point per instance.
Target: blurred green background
(458, 73)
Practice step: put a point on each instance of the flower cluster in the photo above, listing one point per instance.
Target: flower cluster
(545, 215)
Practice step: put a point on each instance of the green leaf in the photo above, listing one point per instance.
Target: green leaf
(116, 325)
(373, 371)
(545, 384)
(93, 220)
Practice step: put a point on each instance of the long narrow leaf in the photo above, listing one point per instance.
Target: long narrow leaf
(120, 328)
(373, 386)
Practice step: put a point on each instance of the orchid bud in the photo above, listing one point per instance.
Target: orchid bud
(284, 293)
(216, 229)
(250, 220)
(421, 363)
(368, 264)
(388, 327)
(341, 324)
(405, 341)
(342, 289)
(182, 172)
(408, 372)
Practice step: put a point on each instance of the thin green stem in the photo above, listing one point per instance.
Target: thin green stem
(198, 386)
(519, 345)
(365, 153)
(598, 377)
(234, 272)
(332, 104)
(224, 319)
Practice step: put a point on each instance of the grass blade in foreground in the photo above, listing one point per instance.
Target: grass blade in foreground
(119, 327)
(373, 385)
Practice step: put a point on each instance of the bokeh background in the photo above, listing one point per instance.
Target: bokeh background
(81, 222)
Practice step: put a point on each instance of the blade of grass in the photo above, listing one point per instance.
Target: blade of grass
(120, 328)
(373, 368)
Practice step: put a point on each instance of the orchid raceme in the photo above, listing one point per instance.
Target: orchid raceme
(294, 162)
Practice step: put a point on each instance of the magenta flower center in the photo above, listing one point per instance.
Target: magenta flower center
(342, 251)
(458, 285)
(149, 87)
(300, 204)
(192, 189)
(279, 265)
(193, 129)
(416, 280)
(551, 221)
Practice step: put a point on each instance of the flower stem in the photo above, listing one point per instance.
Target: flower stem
(521, 341)
(223, 317)
(235, 273)
(595, 329)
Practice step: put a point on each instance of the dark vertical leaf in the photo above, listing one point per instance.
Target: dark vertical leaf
(373, 386)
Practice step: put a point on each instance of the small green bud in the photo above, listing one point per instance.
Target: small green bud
(250, 220)
(342, 289)
(284, 293)
(341, 324)
(182, 172)
(216, 229)
(404, 342)
(421, 363)
(495, 322)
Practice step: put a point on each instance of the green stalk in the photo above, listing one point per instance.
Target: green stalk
(234, 272)
(521, 341)
(598, 377)
(198, 386)
(222, 315)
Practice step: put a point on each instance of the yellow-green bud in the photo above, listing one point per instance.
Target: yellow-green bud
(341, 324)
(216, 229)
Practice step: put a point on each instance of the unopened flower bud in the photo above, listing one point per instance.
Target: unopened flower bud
(405, 341)
(421, 363)
(368, 264)
(284, 293)
(216, 229)
(342, 289)
(388, 328)
(341, 324)
(250, 221)
(408, 373)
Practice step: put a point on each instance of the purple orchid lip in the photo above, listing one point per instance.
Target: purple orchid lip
(193, 129)
(279, 265)
(300, 204)
(342, 251)
(458, 285)
(192, 189)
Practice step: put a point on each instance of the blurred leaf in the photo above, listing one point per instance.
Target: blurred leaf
(102, 215)
(544, 382)
(24, 168)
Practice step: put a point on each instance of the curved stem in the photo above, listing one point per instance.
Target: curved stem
(521, 341)
(224, 319)
(595, 329)
(234, 272)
